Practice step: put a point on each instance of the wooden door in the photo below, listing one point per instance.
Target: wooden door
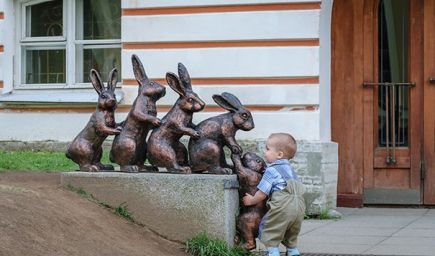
(383, 101)
(393, 107)
(429, 103)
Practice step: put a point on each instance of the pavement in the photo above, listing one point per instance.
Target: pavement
(371, 231)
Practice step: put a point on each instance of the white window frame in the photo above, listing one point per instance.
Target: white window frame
(67, 41)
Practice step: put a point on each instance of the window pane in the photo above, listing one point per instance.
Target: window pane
(44, 19)
(45, 66)
(393, 33)
(102, 60)
(101, 19)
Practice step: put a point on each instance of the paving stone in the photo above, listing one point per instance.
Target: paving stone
(410, 242)
(401, 250)
(350, 240)
(349, 231)
(415, 232)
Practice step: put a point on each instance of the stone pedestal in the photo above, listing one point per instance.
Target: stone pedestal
(175, 206)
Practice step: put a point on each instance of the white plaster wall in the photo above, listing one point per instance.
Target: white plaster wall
(233, 62)
(7, 32)
(227, 62)
(260, 95)
(215, 62)
(325, 70)
(220, 27)
(1, 42)
(64, 127)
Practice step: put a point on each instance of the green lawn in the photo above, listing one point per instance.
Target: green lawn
(38, 161)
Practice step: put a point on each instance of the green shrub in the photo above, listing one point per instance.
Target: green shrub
(203, 245)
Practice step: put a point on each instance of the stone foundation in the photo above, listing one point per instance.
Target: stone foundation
(175, 206)
(315, 162)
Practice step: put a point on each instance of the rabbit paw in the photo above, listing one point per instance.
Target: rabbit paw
(89, 168)
(149, 168)
(249, 246)
(184, 169)
(130, 168)
(156, 122)
(237, 239)
(227, 171)
(108, 167)
(219, 170)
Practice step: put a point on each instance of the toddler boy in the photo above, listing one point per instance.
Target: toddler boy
(282, 222)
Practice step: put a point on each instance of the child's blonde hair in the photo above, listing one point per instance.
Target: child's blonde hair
(285, 143)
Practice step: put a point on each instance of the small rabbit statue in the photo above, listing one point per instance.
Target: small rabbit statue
(129, 147)
(206, 153)
(85, 149)
(164, 146)
(249, 171)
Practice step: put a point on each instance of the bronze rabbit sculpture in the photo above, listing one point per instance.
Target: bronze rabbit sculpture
(206, 153)
(129, 147)
(85, 149)
(164, 146)
(249, 171)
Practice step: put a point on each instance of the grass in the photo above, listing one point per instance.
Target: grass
(323, 215)
(203, 245)
(38, 161)
(121, 210)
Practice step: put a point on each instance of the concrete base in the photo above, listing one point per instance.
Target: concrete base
(175, 206)
(315, 162)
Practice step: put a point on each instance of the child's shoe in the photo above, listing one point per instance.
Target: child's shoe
(273, 251)
(293, 251)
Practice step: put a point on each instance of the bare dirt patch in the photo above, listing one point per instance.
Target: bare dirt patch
(38, 217)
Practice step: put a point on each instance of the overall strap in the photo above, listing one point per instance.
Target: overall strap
(285, 175)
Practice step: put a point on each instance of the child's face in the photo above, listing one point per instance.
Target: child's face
(271, 154)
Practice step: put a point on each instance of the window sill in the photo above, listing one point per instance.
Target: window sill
(32, 97)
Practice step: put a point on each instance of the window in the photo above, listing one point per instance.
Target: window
(61, 40)
(393, 33)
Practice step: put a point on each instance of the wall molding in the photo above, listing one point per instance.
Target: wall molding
(224, 8)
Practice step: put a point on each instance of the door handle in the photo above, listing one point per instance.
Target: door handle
(432, 80)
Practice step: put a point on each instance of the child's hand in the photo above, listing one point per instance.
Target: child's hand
(248, 199)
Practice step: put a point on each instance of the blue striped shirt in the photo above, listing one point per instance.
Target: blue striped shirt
(276, 175)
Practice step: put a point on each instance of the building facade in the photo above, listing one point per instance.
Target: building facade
(298, 65)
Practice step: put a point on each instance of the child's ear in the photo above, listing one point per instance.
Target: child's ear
(280, 155)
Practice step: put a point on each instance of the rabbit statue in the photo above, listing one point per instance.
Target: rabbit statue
(85, 149)
(249, 172)
(164, 146)
(129, 147)
(206, 153)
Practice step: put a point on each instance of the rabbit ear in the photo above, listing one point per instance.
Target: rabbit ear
(232, 99)
(113, 79)
(184, 76)
(175, 83)
(138, 70)
(96, 81)
(221, 101)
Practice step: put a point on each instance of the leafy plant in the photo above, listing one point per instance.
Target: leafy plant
(122, 210)
(203, 245)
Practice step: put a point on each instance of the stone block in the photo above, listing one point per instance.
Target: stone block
(175, 206)
(316, 162)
